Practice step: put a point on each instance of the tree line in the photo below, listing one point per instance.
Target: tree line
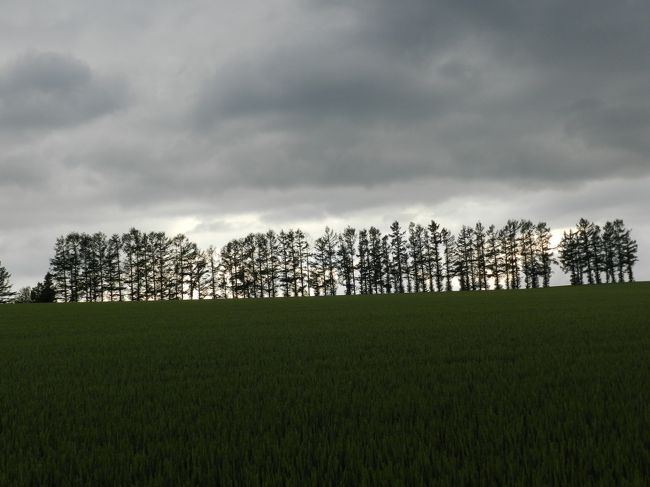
(591, 254)
(141, 266)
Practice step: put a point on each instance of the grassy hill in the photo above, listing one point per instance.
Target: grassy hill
(542, 387)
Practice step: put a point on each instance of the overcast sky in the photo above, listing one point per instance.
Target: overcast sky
(219, 118)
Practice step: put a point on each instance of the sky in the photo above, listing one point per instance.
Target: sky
(218, 118)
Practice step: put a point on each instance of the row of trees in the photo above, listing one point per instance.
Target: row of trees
(416, 259)
(139, 266)
(594, 255)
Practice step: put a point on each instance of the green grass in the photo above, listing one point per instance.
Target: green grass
(527, 387)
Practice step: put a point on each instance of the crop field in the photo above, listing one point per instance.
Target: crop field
(540, 387)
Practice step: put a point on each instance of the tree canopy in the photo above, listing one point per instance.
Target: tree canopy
(140, 266)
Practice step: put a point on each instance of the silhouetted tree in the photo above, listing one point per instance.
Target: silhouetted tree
(629, 249)
(346, 259)
(587, 246)
(6, 295)
(73, 244)
(449, 246)
(510, 248)
(434, 256)
(375, 262)
(61, 269)
(399, 256)
(464, 259)
(286, 262)
(527, 252)
(481, 257)
(386, 265)
(416, 253)
(114, 275)
(570, 258)
(44, 292)
(610, 252)
(300, 262)
(544, 253)
(272, 265)
(213, 269)
(199, 280)
(328, 243)
(364, 267)
(131, 245)
(494, 257)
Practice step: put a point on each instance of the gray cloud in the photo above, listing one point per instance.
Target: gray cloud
(438, 89)
(20, 172)
(51, 90)
(625, 127)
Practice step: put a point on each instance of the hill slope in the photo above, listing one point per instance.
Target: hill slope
(547, 386)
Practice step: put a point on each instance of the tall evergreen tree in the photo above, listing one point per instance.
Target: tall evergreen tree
(364, 266)
(386, 265)
(610, 254)
(416, 253)
(286, 262)
(346, 259)
(301, 257)
(570, 257)
(434, 256)
(73, 245)
(160, 269)
(527, 252)
(481, 258)
(544, 253)
(131, 247)
(98, 257)
(494, 257)
(629, 252)
(44, 292)
(6, 294)
(586, 234)
(61, 269)
(375, 264)
(272, 265)
(114, 275)
(317, 269)
(331, 261)
(200, 280)
(228, 269)
(399, 256)
(213, 269)
(464, 260)
(510, 246)
(449, 246)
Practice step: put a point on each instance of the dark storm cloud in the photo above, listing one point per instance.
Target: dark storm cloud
(51, 90)
(342, 83)
(626, 127)
(427, 89)
(572, 35)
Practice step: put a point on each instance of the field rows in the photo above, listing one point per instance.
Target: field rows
(536, 387)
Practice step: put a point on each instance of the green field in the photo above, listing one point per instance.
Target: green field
(538, 387)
